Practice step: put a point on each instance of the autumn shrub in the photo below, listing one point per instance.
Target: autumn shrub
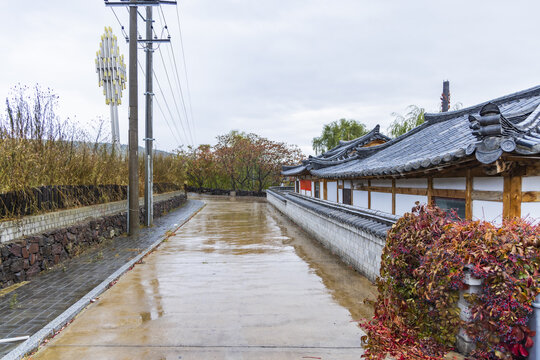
(422, 271)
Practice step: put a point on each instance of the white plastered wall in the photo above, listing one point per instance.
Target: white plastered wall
(412, 183)
(404, 202)
(491, 211)
(530, 210)
(360, 198)
(381, 182)
(495, 183)
(381, 201)
(332, 191)
(454, 183)
(488, 211)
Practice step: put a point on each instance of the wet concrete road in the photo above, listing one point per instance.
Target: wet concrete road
(238, 281)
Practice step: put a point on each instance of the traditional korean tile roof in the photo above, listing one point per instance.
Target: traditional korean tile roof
(509, 124)
(372, 221)
(345, 151)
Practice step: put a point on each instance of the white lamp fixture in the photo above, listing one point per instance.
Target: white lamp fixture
(111, 71)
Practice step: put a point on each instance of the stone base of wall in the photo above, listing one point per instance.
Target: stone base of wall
(358, 247)
(22, 259)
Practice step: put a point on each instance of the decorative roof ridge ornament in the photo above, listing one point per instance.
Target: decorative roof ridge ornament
(496, 134)
(487, 128)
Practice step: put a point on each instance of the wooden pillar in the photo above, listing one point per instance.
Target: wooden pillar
(325, 190)
(352, 192)
(430, 190)
(516, 196)
(394, 196)
(468, 196)
(369, 194)
(512, 196)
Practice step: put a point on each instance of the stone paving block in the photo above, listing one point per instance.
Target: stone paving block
(50, 293)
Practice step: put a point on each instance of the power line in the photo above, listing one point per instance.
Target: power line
(185, 71)
(176, 135)
(178, 80)
(181, 92)
(120, 23)
(172, 93)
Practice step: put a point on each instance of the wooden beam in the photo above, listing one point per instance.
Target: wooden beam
(380, 189)
(325, 190)
(468, 196)
(449, 193)
(530, 196)
(487, 195)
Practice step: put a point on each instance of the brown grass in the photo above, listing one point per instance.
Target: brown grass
(38, 148)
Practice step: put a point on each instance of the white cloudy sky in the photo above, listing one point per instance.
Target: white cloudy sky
(283, 68)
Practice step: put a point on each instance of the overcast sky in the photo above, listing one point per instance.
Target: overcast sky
(282, 68)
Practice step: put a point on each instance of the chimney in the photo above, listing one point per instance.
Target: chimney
(445, 98)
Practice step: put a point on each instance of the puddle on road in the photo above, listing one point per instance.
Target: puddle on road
(239, 280)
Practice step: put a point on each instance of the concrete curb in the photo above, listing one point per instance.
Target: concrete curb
(55, 325)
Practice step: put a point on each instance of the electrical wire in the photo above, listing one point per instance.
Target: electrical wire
(175, 135)
(178, 137)
(172, 93)
(185, 71)
(162, 17)
(120, 23)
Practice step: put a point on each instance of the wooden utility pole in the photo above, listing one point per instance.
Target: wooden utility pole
(149, 181)
(133, 132)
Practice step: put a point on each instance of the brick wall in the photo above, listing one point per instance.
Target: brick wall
(359, 248)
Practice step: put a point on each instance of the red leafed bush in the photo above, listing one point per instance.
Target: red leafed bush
(422, 270)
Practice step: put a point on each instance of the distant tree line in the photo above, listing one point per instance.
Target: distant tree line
(349, 129)
(38, 148)
(238, 161)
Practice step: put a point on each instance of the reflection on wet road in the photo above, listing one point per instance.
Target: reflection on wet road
(238, 281)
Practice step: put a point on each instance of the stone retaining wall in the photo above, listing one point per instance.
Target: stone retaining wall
(36, 224)
(356, 240)
(22, 259)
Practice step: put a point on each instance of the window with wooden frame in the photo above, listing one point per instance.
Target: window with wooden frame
(347, 198)
(449, 204)
(317, 189)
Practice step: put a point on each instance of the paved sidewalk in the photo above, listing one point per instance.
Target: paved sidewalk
(29, 308)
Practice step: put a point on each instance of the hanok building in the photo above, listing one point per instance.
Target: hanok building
(482, 161)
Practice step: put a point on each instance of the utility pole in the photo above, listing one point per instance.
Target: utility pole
(133, 132)
(149, 159)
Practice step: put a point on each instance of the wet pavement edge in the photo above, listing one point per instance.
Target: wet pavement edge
(59, 322)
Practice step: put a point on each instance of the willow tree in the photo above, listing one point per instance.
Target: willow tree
(341, 129)
(405, 123)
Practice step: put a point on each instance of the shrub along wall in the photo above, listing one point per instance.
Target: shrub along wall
(423, 269)
(23, 259)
